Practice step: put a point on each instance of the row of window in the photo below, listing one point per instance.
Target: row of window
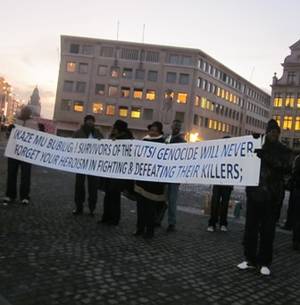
(108, 109)
(224, 77)
(109, 51)
(204, 103)
(216, 125)
(258, 110)
(255, 122)
(290, 100)
(288, 122)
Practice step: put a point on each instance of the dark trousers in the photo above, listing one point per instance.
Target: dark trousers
(80, 191)
(146, 211)
(259, 235)
(296, 217)
(13, 166)
(219, 205)
(112, 207)
(291, 210)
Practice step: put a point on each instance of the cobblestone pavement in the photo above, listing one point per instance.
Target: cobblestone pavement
(49, 257)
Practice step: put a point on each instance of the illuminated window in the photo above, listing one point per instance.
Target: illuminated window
(98, 108)
(227, 95)
(222, 93)
(208, 104)
(210, 123)
(150, 95)
(125, 92)
(181, 98)
(197, 101)
(71, 66)
(227, 128)
(212, 106)
(203, 102)
(219, 126)
(78, 106)
(102, 70)
(110, 110)
(100, 89)
(123, 111)
(66, 105)
(138, 94)
(83, 68)
(297, 123)
(127, 73)
(135, 112)
(289, 101)
(223, 127)
(215, 125)
(112, 91)
(169, 94)
(287, 123)
(218, 91)
(298, 101)
(115, 72)
(277, 118)
(231, 97)
(234, 99)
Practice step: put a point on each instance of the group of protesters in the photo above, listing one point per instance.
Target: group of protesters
(154, 198)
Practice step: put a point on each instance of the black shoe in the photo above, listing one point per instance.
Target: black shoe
(77, 212)
(138, 232)
(171, 228)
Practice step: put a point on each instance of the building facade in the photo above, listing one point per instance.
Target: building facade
(34, 103)
(286, 99)
(140, 83)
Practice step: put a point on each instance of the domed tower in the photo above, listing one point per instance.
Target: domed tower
(34, 103)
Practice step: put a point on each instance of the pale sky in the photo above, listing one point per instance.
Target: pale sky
(251, 37)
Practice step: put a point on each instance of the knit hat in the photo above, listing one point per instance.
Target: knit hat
(158, 125)
(120, 125)
(89, 117)
(272, 124)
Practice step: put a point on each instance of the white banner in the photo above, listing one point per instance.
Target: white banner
(229, 161)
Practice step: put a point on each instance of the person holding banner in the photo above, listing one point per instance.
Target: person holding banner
(13, 165)
(114, 187)
(263, 201)
(172, 188)
(87, 130)
(149, 194)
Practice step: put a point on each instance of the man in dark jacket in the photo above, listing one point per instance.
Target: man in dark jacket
(263, 201)
(87, 130)
(172, 188)
(114, 187)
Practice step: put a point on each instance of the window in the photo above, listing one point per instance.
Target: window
(291, 77)
(298, 101)
(83, 68)
(179, 116)
(123, 111)
(148, 114)
(107, 51)
(80, 87)
(131, 54)
(135, 112)
(199, 82)
(287, 123)
(127, 73)
(152, 56)
(173, 59)
(171, 77)
(102, 70)
(218, 91)
(112, 91)
(66, 105)
(181, 98)
(115, 72)
(152, 76)
(78, 106)
(74, 48)
(196, 119)
(110, 110)
(100, 89)
(186, 60)
(140, 74)
(71, 67)
(297, 123)
(98, 108)
(150, 95)
(87, 50)
(203, 102)
(197, 101)
(125, 92)
(68, 86)
(138, 93)
(289, 101)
